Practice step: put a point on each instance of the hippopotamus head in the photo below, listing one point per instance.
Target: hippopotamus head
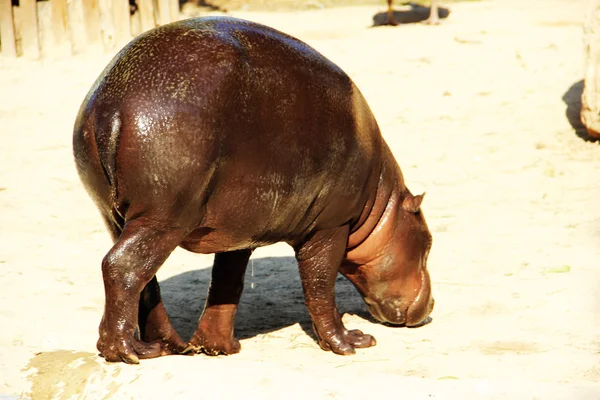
(389, 267)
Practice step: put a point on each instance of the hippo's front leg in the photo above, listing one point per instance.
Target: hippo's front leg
(131, 263)
(319, 261)
(214, 334)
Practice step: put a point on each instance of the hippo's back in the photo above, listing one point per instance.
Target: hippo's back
(229, 125)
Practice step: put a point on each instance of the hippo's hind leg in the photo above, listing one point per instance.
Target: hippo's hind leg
(153, 321)
(214, 334)
(319, 260)
(139, 251)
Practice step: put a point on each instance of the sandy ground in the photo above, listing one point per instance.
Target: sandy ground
(476, 111)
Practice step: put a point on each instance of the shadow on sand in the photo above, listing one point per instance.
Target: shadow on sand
(572, 99)
(415, 14)
(272, 298)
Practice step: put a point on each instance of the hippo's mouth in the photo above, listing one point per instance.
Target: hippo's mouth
(422, 323)
(375, 311)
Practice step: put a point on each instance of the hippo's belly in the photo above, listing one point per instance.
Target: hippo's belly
(257, 211)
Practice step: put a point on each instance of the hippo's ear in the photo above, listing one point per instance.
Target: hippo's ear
(412, 203)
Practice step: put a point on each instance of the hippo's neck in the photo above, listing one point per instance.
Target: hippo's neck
(390, 187)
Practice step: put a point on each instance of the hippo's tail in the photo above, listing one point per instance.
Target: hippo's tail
(94, 166)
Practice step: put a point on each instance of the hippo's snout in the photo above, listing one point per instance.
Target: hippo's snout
(397, 312)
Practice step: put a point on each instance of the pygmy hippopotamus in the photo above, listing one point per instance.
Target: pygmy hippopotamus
(221, 135)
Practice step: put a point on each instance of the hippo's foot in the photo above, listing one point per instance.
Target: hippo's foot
(169, 344)
(358, 339)
(133, 349)
(213, 344)
(214, 335)
(345, 343)
(127, 349)
(341, 340)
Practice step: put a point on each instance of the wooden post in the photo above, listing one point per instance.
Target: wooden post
(44, 12)
(7, 29)
(174, 10)
(121, 21)
(29, 31)
(60, 18)
(590, 98)
(135, 22)
(164, 9)
(91, 17)
(77, 31)
(146, 10)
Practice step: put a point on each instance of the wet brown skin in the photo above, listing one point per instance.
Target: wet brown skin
(220, 136)
(433, 19)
